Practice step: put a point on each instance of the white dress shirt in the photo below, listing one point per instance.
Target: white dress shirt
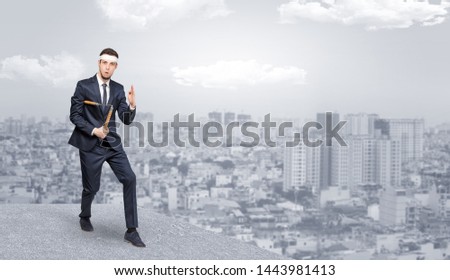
(100, 84)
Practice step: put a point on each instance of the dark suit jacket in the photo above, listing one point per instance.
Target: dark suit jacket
(86, 117)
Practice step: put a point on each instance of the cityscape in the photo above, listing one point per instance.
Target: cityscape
(383, 195)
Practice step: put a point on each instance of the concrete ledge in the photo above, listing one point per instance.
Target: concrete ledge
(49, 231)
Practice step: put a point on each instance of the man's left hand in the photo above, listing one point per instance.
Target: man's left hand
(132, 98)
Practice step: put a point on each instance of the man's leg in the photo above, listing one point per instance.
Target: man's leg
(120, 165)
(91, 170)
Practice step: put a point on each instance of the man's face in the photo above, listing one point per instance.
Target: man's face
(106, 68)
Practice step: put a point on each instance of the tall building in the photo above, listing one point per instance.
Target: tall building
(388, 162)
(294, 167)
(13, 126)
(374, 154)
(360, 124)
(31, 121)
(215, 116)
(409, 132)
(138, 131)
(2, 128)
(144, 117)
(348, 163)
(326, 151)
(302, 168)
(229, 117)
(241, 118)
(367, 160)
(313, 168)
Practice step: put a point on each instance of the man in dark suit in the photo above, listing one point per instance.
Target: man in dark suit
(98, 143)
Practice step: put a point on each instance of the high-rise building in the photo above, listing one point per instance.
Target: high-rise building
(341, 170)
(367, 160)
(326, 151)
(388, 162)
(302, 168)
(360, 124)
(215, 116)
(313, 168)
(144, 117)
(2, 128)
(13, 126)
(229, 117)
(242, 118)
(348, 163)
(137, 132)
(409, 132)
(294, 167)
(373, 155)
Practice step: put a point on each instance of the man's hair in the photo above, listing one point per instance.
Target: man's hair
(110, 52)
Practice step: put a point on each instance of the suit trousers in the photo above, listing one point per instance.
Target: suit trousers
(91, 170)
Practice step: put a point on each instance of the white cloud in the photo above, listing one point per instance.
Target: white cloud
(139, 14)
(237, 73)
(373, 14)
(60, 70)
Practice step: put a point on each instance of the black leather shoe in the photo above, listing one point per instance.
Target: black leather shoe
(86, 225)
(134, 238)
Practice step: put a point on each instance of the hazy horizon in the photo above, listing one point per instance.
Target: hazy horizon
(288, 58)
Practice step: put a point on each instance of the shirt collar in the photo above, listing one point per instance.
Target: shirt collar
(101, 82)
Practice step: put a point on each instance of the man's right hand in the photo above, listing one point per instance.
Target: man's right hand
(98, 131)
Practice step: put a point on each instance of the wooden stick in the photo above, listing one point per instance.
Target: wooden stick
(88, 102)
(108, 118)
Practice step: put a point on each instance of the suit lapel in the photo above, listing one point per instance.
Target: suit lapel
(96, 93)
(95, 90)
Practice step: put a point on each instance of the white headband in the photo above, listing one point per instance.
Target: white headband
(108, 57)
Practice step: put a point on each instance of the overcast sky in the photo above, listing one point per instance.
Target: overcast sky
(288, 58)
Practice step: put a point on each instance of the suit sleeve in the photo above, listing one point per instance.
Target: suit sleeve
(126, 115)
(76, 112)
